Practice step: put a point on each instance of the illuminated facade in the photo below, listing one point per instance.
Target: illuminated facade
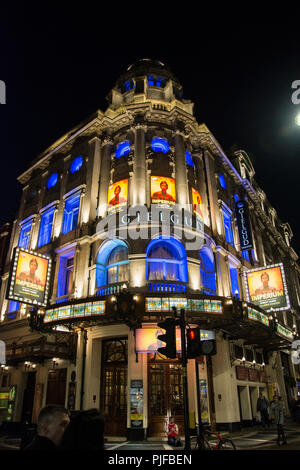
(141, 198)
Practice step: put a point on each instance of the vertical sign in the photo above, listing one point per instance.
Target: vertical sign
(243, 223)
(136, 403)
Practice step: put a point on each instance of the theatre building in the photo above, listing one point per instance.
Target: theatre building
(141, 199)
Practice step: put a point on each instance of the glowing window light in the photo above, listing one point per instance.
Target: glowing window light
(76, 164)
(160, 145)
(222, 181)
(52, 180)
(188, 158)
(122, 149)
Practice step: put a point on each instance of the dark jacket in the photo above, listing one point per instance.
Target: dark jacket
(41, 443)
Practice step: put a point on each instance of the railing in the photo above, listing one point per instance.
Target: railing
(167, 286)
(40, 349)
(111, 289)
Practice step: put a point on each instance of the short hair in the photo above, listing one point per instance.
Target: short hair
(265, 274)
(48, 413)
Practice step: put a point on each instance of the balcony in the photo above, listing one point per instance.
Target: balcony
(111, 289)
(175, 287)
(41, 349)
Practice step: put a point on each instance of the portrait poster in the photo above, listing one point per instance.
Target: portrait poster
(29, 279)
(117, 195)
(197, 203)
(163, 190)
(266, 287)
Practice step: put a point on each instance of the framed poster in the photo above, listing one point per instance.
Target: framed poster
(197, 203)
(266, 287)
(29, 277)
(163, 190)
(117, 195)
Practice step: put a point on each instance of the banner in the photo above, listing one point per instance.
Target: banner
(117, 195)
(243, 223)
(266, 287)
(163, 190)
(29, 279)
(197, 203)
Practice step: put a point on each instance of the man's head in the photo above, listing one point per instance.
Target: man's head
(52, 422)
(264, 278)
(33, 265)
(164, 186)
(171, 419)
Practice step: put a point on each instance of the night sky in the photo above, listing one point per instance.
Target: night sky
(59, 70)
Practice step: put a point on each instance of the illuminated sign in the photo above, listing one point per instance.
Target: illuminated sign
(29, 279)
(70, 312)
(158, 304)
(4, 396)
(266, 287)
(163, 190)
(258, 316)
(117, 195)
(282, 331)
(197, 203)
(243, 223)
(146, 339)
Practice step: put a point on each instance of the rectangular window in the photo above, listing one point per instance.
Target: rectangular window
(46, 227)
(71, 212)
(234, 281)
(13, 306)
(65, 275)
(245, 254)
(228, 227)
(25, 234)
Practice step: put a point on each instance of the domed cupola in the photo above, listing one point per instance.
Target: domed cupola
(146, 80)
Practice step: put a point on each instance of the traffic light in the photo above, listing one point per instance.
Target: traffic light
(193, 343)
(169, 324)
(196, 347)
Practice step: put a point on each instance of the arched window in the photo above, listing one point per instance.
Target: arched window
(52, 180)
(222, 181)
(166, 260)
(76, 164)
(122, 149)
(112, 263)
(208, 271)
(160, 145)
(188, 158)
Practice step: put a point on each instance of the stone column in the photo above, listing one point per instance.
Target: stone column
(106, 150)
(201, 185)
(94, 161)
(182, 196)
(139, 167)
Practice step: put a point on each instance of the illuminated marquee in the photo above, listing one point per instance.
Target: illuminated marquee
(266, 287)
(70, 312)
(258, 316)
(158, 304)
(29, 278)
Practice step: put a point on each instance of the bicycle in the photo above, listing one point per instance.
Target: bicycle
(202, 442)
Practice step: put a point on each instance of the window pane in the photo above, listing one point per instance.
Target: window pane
(171, 271)
(112, 275)
(123, 272)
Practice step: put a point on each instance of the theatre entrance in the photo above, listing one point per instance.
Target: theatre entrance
(165, 392)
(113, 393)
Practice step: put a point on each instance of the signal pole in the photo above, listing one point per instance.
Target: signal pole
(185, 384)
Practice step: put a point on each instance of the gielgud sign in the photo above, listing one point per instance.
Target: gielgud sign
(243, 223)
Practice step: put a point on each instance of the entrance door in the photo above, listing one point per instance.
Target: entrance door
(165, 393)
(28, 397)
(113, 394)
(56, 387)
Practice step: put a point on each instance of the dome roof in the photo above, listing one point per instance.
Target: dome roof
(148, 67)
